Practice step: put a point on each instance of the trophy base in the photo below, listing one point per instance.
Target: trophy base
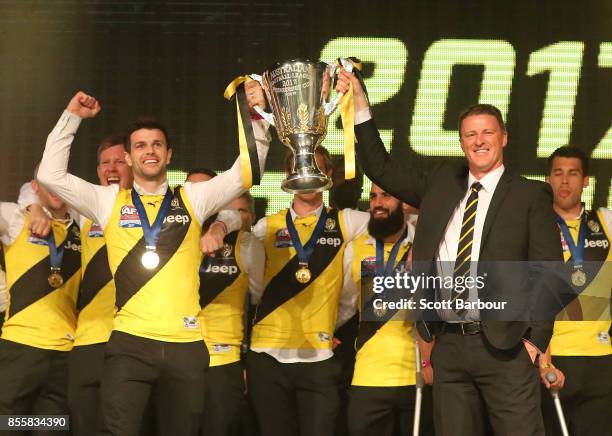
(306, 184)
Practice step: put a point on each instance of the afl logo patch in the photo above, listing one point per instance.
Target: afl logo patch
(283, 239)
(95, 231)
(128, 217)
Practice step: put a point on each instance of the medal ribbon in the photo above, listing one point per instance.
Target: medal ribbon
(304, 252)
(151, 233)
(56, 254)
(577, 251)
(381, 268)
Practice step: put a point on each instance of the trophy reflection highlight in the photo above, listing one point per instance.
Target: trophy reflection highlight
(299, 94)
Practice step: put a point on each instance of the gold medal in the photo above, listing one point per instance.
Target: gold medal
(55, 279)
(303, 274)
(579, 278)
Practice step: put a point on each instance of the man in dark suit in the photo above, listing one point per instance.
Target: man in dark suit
(474, 211)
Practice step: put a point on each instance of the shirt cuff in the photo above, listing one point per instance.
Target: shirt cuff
(231, 219)
(363, 115)
(71, 121)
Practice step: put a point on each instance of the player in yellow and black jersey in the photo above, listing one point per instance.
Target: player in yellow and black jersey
(382, 393)
(580, 347)
(226, 280)
(42, 279)
(152, 235)
(293, 375)
(96, 299)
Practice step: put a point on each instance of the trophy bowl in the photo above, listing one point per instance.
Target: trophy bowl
(298, 92)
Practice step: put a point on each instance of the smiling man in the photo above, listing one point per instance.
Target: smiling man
(152, 236)
(470, 211)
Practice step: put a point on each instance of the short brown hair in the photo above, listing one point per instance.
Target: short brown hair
(482, 109)
(145, 122)
(108, 142)
(320, 150)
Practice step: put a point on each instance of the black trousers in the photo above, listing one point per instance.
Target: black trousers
(33, 381)
(85, 370)
(586, 397)
(473, 380)
(223, 400)
(387, 411)
(293, 398)
(85, 367)
(136, 369)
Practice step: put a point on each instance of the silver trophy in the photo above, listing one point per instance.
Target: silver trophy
(299, 93)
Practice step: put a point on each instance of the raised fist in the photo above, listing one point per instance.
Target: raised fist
(83, 105)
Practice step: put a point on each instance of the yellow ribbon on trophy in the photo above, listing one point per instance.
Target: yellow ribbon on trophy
(249, 160)
(347, 113)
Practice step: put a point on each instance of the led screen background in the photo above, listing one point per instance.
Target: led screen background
(547, 65)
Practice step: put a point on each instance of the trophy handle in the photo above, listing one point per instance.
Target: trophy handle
(265, 115)
(333, 105)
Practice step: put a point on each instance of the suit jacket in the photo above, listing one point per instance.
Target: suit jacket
(520, 225)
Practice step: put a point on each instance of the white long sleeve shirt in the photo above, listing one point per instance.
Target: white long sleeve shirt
(96, 202)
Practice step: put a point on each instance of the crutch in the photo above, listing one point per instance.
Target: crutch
(419, 388)
(552, 377)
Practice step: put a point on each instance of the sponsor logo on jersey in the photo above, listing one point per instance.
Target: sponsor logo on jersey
(191, 322)
(221, 348)
(335, 242)
(600, 243)
(324, 337)
(222, 269)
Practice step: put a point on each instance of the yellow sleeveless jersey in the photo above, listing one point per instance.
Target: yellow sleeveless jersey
(587, 338)
(96, 300)
(291, 314)
(386, 354)
(161, 303)
(223, 287)
(37, 314)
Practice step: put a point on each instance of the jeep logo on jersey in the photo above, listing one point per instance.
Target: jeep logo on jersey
(222, 269)
(179, 219)
(335, 242)
(72, 246)
(599, 243)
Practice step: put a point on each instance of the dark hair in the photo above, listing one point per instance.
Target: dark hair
(321, 151)
(569, 151)
(144, 122)
(108, 142)
(201, 170)
(482, 109)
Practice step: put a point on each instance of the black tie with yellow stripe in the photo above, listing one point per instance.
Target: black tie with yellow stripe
(464, 249)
